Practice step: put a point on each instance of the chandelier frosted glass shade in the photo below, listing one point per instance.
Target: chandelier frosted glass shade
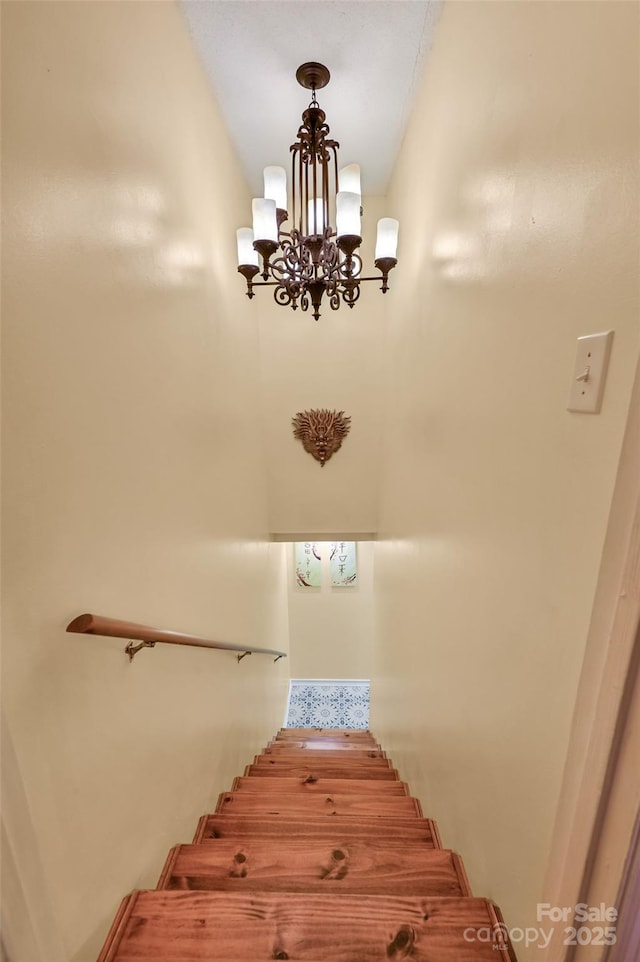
(247, 254)
(265, 224)
(387, 237)
(312, 258)
(275, 185)
(349, 178)
(347, 213)
(316, 217)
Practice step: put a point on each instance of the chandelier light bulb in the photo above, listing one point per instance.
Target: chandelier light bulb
(349, 179)
(387, 238)
(275, 186)
(315, 215)
(347, 213)
(265, 225)
(246, 251)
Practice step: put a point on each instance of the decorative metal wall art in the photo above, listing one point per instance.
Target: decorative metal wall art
(321, 432)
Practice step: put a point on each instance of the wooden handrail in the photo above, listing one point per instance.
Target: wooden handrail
(113, 628)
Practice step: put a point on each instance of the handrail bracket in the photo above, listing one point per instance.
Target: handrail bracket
(244, 655)
(132, 649)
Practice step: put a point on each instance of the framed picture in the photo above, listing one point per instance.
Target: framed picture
(308, 564)
(342, 564)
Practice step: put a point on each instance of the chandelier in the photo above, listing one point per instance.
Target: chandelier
(312, 258)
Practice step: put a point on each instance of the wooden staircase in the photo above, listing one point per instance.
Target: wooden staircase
(318, 854)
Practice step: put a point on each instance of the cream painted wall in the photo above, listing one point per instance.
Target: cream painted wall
(331, 629)
(134, 480)
(333, 363)
(134, 475)
(517, 193)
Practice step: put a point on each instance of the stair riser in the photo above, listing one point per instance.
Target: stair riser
(403, 830)
(309, 865)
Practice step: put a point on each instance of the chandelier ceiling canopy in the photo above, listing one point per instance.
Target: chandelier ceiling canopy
(312, 257)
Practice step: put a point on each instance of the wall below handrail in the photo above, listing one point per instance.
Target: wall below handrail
(88, 624)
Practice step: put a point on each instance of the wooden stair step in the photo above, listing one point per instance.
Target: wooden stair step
(254, 803)
(270, 876)
(404, 830)
(333, 753)
(325, 740)
(313, 783)
(359, 868)
(322, 745)
(171, 926)
(323, 758)
(347, 734)
(353, 734)
(287, 770)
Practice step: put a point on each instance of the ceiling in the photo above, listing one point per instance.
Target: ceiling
(375, 50)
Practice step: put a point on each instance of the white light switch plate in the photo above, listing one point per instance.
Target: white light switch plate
(587, 386)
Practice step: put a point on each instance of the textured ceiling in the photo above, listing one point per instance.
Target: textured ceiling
(375, 50)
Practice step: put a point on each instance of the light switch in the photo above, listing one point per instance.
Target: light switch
(587, 386)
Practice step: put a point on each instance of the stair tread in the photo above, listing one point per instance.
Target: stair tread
(354, 734)
(172, 926)
(322, 745)
(343, 737)
(341, 865)
(284, 803)
(313, 783)
(330, 732)
(406, 829)
(319, 758)
(342, 755)
(285, 769)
